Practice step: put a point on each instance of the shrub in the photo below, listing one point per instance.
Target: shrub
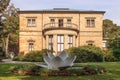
(19, 57)
(33, 56)
(29, 69)
(116, 53)
(108, 56)
(87, 53)
(45, 51)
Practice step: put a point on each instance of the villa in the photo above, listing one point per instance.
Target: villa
(59, 28)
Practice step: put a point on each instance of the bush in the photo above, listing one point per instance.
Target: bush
(87, 53)
(28, 69)
(116, 53)
(19, 57)
(45, 51)
(33, 56)
(108, 56)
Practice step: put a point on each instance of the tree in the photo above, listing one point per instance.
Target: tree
(112, 32)
(10, 28)
(3, 4)
(110, 29)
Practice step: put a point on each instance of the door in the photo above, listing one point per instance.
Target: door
(60, 43)
(60, 23)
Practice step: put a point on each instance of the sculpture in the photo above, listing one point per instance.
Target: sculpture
(58, 62)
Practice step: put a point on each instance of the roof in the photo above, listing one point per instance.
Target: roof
(60, 10)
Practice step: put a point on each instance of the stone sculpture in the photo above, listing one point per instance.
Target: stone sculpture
(58, 62)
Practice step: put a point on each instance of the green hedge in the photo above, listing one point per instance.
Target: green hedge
(116, 53)
(108, 56)
(87, 53)
(32, 56)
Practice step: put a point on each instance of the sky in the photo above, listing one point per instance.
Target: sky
(112, 7)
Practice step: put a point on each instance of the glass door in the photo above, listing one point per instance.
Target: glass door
(60, 43)
(60, 23)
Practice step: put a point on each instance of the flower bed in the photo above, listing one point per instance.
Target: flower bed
(36, 70)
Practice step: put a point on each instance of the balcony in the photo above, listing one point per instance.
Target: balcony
(58, 26)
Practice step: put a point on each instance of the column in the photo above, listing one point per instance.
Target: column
(77, 41)
(43, 42)
(65, 41)
(55, 43)
(47, 41)
(74, 41)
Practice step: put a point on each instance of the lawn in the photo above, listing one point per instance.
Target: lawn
(112, 74)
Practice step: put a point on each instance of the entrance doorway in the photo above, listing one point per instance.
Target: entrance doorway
(60, 43)
(60, 23)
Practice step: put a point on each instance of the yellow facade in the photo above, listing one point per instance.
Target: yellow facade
(59, 29)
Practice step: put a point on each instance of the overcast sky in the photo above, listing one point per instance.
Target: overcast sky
(112, 7)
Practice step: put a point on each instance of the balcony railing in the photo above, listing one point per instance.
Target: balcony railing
(66, 26)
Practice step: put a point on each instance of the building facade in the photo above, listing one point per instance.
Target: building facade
(58, 29)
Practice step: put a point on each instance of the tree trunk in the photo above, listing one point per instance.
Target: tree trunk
(6, 46)
(3, 45)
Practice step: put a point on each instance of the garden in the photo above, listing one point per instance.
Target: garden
(112, 73)
(91, 63)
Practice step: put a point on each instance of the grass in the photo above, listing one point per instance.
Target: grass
(112, 74)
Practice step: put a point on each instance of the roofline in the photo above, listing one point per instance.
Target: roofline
(59, 11)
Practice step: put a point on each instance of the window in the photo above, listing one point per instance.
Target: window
(70, 41)
(68, 22)
(90, 42)
(104, 44)
(90, 22)
(52, 22)
(31, 46)
(60, 22)
(31, 22)
(60, 43)
(50, 44)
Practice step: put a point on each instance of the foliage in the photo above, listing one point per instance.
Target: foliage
(10, 28)
(45, 51)
(116, 53)
(85, 70)
(3, 4)
(114, 45)
(33, 56)
(45, 70)
(87, 53)
(108, 56)
(19, 57)
(112, 74)
(110, 30)
(28, 69)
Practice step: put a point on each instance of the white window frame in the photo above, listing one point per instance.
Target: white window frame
(70, 41)
(31, 22)
(90, 21)
(69, 22)
(60, 43)
(31, 46)
(50, 42)
(52, 22)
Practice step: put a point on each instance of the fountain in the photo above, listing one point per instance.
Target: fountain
(59, 62)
